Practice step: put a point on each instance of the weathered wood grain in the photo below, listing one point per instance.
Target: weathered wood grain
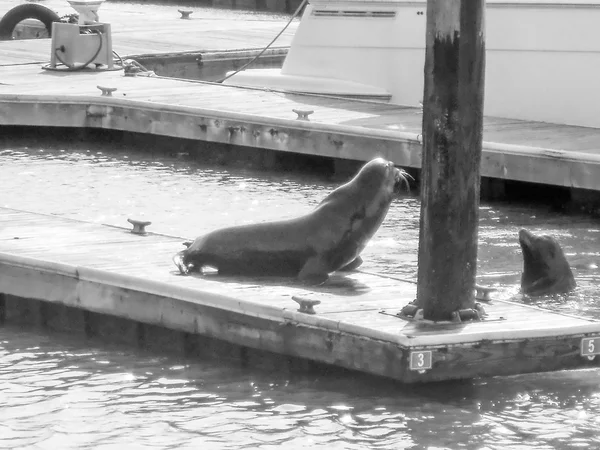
(452, 138)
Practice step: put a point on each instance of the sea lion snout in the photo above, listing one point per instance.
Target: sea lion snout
(525, 237)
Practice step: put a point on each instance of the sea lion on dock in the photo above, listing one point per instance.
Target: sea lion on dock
(545, 267)
(309, 247)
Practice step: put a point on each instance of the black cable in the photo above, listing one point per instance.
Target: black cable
(83, 66)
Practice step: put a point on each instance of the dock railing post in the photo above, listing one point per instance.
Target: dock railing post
(452, 136)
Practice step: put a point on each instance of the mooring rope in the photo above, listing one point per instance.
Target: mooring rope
(269, 44)
(381, 275)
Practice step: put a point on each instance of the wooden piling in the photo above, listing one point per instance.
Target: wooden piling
(452, 138)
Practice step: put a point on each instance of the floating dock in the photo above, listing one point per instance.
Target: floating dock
(105, 281)
(206, 46)
(339, 128)
(158, 30)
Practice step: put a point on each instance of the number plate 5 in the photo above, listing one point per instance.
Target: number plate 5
(421, 360)
(590, 346)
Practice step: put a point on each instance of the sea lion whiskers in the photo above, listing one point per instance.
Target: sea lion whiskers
(402, 180)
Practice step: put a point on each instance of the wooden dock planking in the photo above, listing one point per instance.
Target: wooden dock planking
(96, 258)
(194, 94)
(137, 30)
(341, 128)
(260, 102)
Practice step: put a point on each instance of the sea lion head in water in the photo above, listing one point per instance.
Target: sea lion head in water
(545, 268)
(309, 247)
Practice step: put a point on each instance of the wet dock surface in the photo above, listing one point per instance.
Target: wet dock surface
(157, 29)
(112, 272)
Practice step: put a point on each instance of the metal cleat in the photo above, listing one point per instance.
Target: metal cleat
(306, 305)
(139, 226)
(106, 91)
(483, 293)
(185, 14)
(303, 114)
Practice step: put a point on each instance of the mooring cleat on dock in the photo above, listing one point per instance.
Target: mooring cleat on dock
(306, 305)
(303, 114)
(106, 91)
(482, 293)
(185, 14)
(139, 226)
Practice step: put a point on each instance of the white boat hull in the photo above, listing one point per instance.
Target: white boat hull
(542, 57)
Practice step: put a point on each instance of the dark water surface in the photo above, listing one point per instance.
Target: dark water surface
(56, 393)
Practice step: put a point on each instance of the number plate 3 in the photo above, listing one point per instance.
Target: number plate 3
(420, 360)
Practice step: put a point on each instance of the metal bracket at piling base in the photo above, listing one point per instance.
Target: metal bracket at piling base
(139, 226)
(306, 305)
(468, 315)
(412, 312)
(107, 91)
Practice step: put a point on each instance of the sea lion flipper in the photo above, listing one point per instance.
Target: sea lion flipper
(352, 265)
(178, 260)
(314, 271)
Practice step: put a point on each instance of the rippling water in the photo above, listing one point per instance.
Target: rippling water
(57, 393)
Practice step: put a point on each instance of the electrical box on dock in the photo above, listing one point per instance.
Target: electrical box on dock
(81, 45)
(85, 43)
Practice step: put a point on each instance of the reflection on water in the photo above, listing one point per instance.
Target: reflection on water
(56, 393)
(60, 394)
